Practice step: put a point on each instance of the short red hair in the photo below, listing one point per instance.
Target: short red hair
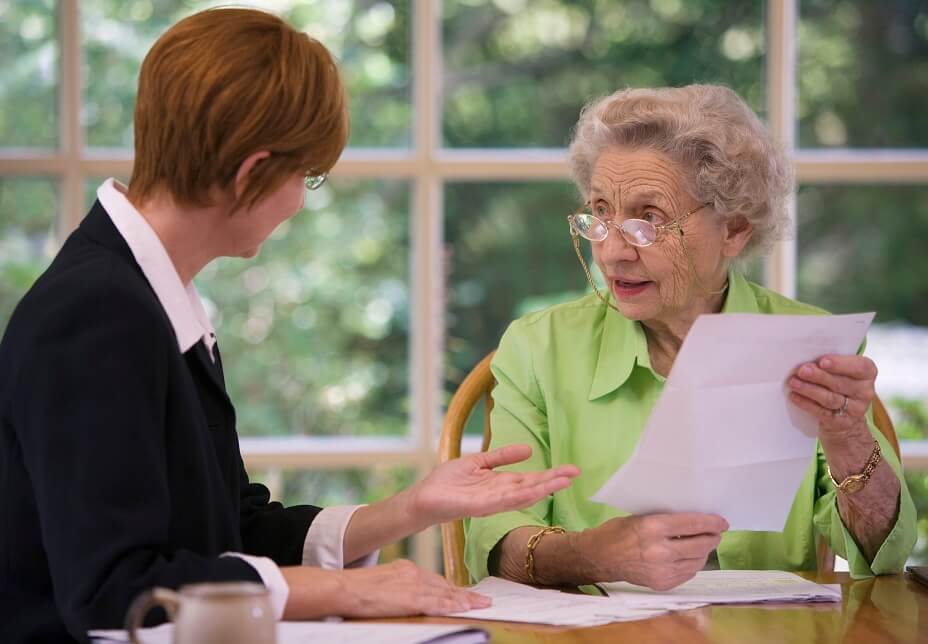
(223, 84)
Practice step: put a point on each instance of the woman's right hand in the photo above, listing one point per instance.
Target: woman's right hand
(397, 589)
(660, 551)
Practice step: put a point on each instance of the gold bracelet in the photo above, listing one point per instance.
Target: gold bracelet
(530, 549)
(856, 482)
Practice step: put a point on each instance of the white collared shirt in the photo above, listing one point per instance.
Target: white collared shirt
(184, 308)
(182, 304)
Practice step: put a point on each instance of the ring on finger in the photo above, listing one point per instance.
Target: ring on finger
(842, 411)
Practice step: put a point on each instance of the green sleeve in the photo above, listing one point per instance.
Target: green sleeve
(518, 416)
(891, 556)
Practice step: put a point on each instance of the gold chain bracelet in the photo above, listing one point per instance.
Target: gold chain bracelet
(857, 482)
(530, 549)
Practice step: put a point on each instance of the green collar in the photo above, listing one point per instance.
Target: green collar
(624, 344)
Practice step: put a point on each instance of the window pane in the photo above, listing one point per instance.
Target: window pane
(863, 73)
(862, 248)
(510, 253)
(29, 74)
(28, 216)
(371, 41)
(517, 72)
(315, 330)
(341, 487)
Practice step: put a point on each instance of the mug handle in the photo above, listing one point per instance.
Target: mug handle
(167, 599)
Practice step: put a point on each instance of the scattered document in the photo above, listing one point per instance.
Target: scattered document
(513, 602)
(343, 632)
(725, 587)
(723, 438)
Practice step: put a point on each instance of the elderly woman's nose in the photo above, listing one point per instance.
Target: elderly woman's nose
(616, 248)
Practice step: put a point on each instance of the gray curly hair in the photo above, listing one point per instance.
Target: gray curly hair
(731, 159)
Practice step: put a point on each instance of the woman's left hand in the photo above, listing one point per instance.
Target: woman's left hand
(836, 389)
(468, 486)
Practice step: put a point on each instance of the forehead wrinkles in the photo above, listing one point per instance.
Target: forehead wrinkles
(628, 182)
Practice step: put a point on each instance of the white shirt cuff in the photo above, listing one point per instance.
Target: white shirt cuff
(271, 576)
(324, 544)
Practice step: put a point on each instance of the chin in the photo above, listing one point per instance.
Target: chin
(638, 311)
(250, 253)
(635, 312)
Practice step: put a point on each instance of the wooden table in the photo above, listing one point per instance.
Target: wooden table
(891, 608)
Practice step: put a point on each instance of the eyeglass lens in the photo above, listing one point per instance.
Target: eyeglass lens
(314, 181)
(637, 232)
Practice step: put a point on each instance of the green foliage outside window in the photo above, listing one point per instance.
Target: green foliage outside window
(517, 72)
(369, 39)
(28, 219)
(29, 78)
(316, 327)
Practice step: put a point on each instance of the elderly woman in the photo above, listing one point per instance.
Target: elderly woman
(678, 183)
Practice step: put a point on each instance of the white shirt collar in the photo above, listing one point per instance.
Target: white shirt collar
(182, 304)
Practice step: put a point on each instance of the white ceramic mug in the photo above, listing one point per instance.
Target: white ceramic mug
(210, 613)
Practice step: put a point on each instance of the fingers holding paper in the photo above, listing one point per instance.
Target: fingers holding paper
(836, 389)
(660, 551)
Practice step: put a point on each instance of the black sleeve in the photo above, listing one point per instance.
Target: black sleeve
(90, 411)
(268, 528)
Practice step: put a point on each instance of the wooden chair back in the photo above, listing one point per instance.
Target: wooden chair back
(477, 386)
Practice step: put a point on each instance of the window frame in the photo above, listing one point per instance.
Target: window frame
(428, 167)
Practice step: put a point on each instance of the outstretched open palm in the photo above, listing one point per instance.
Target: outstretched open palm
(469, 487)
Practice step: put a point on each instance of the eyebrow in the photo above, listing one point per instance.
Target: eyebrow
(648, 196)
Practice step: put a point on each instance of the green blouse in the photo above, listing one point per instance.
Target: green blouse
(575, 382)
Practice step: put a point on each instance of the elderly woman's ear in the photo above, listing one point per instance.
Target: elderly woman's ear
(737, 234)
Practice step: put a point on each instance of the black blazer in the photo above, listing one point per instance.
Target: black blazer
(119, 461)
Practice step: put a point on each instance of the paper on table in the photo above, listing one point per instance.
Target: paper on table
(514, 602)
(726, 587)
(723, 423)
(345, 632)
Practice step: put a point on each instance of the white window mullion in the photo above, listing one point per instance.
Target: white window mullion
(862, 166)
(781, 117)
(427, 271)
(71, 134)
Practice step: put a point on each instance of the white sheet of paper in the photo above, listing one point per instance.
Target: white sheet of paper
(726, 587)
(346, 632)
(514, 602)
(723, 438)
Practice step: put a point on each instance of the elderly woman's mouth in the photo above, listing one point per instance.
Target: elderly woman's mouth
(629, 288)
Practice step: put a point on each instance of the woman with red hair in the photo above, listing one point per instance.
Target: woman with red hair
(119, 458)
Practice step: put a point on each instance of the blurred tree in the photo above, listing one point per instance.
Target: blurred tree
(506, 246)
(370, 38)
(863, 73)
(517, 72)
(28, 220)
(29, 78)
(318, 323)
(862, 248)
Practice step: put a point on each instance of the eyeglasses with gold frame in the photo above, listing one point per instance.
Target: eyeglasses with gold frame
(637, 232)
